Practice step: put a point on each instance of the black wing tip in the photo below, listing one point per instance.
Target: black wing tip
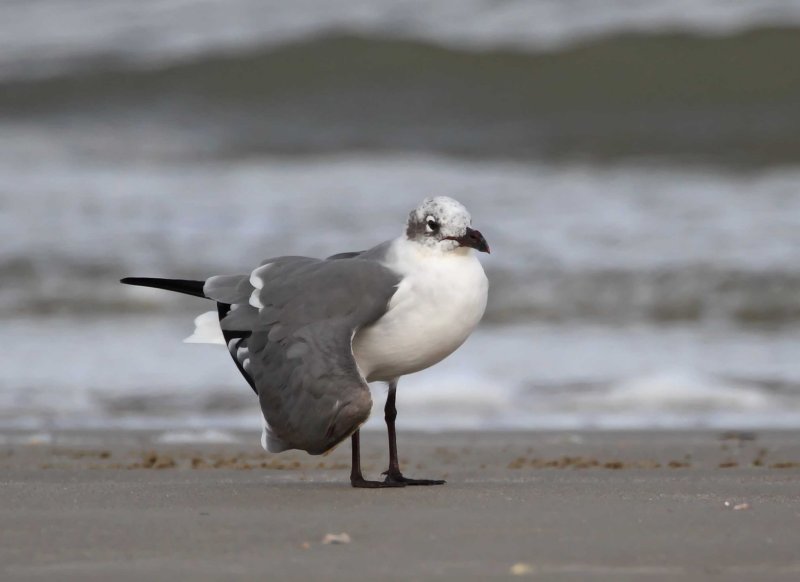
(141, 281)
(185, 286)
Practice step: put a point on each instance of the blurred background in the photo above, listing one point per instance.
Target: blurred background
(634, 164)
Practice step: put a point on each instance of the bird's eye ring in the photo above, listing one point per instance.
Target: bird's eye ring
(433, 226)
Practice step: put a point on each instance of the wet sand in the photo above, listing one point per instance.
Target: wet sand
(548, 506)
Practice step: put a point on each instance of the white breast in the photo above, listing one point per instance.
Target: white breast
(439, 302)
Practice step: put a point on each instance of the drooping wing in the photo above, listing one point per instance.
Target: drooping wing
(292, 323)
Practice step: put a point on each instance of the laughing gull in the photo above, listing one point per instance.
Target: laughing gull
(309, 334)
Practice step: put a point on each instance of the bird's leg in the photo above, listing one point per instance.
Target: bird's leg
(393, 474)
(356, 478)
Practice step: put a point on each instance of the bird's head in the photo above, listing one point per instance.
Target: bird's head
(443, 224)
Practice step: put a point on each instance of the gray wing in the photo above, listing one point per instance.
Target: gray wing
(376, 253)
(290, 328)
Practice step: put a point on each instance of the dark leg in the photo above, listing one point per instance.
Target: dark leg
(393, 475)
(356, 478)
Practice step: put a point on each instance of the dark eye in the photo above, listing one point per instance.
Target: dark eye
(433, 225)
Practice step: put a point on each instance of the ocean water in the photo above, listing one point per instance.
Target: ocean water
(635, 168)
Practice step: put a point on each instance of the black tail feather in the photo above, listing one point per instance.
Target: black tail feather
(186, 286)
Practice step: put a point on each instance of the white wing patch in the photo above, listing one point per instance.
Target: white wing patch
(257, 281)
(240, 352)
(269, 442)
(255, 301)
(256, 277)
(206, 330)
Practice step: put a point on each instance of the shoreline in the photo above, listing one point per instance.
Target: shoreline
(555, 505)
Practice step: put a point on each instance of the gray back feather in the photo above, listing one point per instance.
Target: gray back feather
(294, 341)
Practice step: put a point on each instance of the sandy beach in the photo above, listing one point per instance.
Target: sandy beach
(633, 167)
(554, 506)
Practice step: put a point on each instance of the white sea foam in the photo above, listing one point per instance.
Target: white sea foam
(541, 376)
(675, 391)
(209, 436)
(565, 253)
(164, 30)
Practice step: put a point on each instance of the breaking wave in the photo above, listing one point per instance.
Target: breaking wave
(721, 98)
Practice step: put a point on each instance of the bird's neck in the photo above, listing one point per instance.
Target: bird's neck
(405, 255)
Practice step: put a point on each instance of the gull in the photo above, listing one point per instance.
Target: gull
(309, 334)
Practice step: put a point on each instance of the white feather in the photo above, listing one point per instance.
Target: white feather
(438, 303)
(256, 279)
(255, 300)
(257, 282)
(269, 442)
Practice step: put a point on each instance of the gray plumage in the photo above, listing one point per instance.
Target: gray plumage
(307, 334)
(291, 334)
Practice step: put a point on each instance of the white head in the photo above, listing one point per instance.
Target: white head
(444, 224)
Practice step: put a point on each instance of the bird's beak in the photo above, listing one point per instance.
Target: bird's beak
(473, 239)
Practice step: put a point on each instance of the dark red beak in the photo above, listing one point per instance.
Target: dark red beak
(472, 239)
